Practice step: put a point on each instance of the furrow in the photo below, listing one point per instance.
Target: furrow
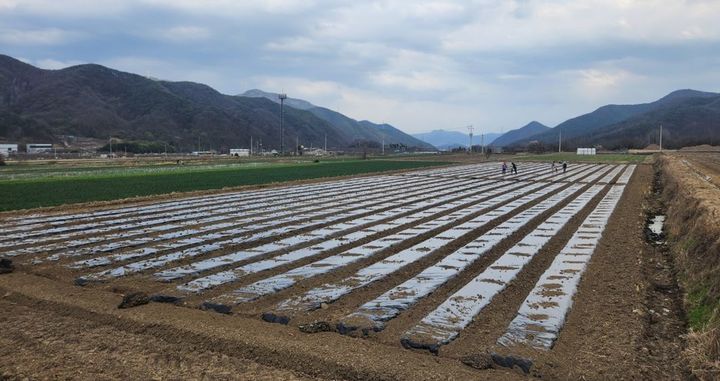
(330, 292)
(323, 239)
(374, 314)
(444, 323)
(282, 281)
(356, 209)
(542, 315)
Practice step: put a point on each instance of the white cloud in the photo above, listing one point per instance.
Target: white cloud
(167, 70)
(181, 34)
(65, 8)
(53, 64)
(296, 44)
(418, 71)
(233, 8)
(556, 23)
(46, 36)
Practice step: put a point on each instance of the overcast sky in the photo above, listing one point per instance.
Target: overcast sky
(419, 65)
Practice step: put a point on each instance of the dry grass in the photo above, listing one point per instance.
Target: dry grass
(703, 353)
(694, 229)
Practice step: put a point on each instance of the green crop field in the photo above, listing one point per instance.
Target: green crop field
(111, 184)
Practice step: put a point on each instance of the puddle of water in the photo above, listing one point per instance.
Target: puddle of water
(657, 224)
(655, 227)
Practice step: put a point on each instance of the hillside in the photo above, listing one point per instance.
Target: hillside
(351, 129)
(630, 126)
(93, 101)
(689, 122)
(521, 134)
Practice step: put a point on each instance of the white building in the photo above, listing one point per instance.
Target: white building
(39, 148)
(586, 151)
(7, 149)
(239, 152)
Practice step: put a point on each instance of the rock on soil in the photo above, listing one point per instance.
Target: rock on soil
(135, 299)
(478, 361)
(6, 266)
(315, 327)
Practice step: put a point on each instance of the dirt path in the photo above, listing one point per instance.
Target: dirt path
(55, 330)
(58, 344)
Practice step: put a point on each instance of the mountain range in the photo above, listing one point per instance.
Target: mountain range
(352, 129)
(445, 140)
(93, 101)
(38, 105)
(688, 117)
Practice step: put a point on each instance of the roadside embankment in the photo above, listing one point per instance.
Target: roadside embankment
(693, 227)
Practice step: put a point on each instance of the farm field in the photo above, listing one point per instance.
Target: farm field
(414, 275)
(611, 158)
(23, 187)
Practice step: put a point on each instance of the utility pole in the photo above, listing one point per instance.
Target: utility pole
(325, 149)
(560, 142)
(470, 129)
(250, 145)
(297, 145)
(661, 138)
(282, 97)
(383, 147)
(482, 143)
(111, 146)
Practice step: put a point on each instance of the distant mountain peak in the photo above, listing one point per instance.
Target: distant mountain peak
(524, 132)
(686, 93)
(534, 124)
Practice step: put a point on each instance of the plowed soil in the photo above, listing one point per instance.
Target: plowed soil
(51, 328)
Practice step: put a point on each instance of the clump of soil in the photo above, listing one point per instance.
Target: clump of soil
(166, 299)
(512, 362)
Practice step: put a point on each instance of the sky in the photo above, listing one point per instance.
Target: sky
(418, 65)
